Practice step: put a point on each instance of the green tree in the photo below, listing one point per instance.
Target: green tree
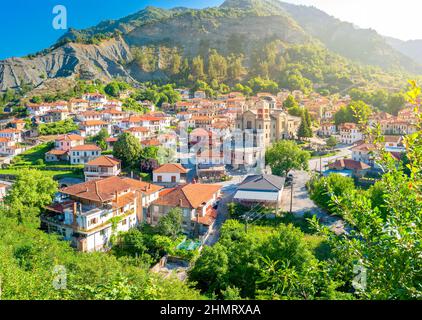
(332, 142)
(217, 66)
(210, 270)
(355, 112)
(197, 69)
(171, 223)
(396, 102)
(112, 89)
(30, 193)
(322, 190)
(127, 149)
(290, 102)
(100, 138)
(304, 131)
(284, 156)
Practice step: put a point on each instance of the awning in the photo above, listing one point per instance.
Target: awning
(257, 196)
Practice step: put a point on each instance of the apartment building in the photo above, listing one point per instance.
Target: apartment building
(89, 213)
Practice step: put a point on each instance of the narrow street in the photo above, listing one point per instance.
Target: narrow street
(228, 191)
(301, 201)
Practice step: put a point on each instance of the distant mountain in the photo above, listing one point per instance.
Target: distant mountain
(362, 45)
(237, 26)
(411, 48)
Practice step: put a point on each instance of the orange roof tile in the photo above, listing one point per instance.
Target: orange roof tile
(98, 190)
(70, 137)
(93, 123)
(86, 147)
(144, 187)
(171, 168)
(104, 161)
(188, 196)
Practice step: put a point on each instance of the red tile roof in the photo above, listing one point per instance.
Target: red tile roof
(349, 164)
(171, 168)
(188, 196)
(70, 137)
(93, 123)
(104, 161)
(98, 190)
(145, 187)
(86, 147)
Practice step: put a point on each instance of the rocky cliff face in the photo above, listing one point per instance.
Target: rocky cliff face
(239, 26)
(102, 61)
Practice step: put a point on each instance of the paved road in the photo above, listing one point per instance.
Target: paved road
(317, 163)
(301, 201)
(303, 204)
(228, 191)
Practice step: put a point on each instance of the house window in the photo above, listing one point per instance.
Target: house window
(124, 222)
(173, 179)
(159, 178)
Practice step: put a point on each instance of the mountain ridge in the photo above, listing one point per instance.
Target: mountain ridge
(104, 51)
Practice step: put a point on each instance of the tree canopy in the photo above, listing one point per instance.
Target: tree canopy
(286, 155)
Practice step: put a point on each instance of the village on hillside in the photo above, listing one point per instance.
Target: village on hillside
(201, 155)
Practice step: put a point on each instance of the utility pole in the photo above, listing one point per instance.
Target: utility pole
(291, 199)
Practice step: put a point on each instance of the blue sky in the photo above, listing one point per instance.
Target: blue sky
(26, 25)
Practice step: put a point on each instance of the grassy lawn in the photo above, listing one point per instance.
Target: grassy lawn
(29, 158)
(57, 175)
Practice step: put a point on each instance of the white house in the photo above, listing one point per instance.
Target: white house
(139, 132)
(200, 95)
(8, 147)
(84, 153)
(85, 214)
(327, 129)
(350, 133)
(93, 127)
(11, 134)
(170, 174)
(95, 98)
